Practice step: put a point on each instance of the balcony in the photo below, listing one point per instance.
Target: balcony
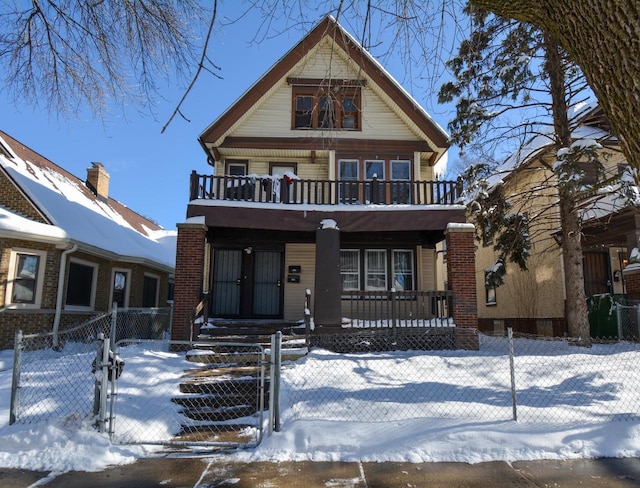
(267, 189)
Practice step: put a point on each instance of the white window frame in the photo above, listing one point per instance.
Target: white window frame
(383, 252)
(357, 271)
(92, 301)
(157, 278)
(13, 264)
(410, 272)
(127, 289)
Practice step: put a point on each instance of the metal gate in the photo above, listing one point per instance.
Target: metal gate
(189, 394)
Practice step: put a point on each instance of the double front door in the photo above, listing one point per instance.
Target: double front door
(247, 283)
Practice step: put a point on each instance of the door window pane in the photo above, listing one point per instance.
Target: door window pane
(400, 187)
(374, 191)
(348, 181)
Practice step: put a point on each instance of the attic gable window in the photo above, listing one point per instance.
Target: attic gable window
(319, 104)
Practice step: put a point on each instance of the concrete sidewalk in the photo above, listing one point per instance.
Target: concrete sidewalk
(215, 471)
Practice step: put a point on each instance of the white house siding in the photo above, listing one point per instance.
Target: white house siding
(270, 120)
(303, 255)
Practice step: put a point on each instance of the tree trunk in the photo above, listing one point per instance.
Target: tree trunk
(576, 313)
(603, 37)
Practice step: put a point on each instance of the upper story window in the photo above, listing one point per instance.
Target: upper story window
(326, 104)
(26, 277)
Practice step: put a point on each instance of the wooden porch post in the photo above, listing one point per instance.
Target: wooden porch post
(189, 276)
(461, 273)
(328, 286)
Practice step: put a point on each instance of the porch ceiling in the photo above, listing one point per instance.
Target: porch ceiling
(308, 220)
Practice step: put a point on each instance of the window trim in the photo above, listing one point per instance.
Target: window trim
(39, 285)
(337, 95)
(127, 290)
(491, 294)
(228, 163)
(389, 253)
(94, 282)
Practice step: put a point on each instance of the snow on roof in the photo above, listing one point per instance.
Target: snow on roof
(544, 140)
(76, 214)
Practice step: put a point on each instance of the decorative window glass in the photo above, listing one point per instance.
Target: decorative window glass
(350, 269)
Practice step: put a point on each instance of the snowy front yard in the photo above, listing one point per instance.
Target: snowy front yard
(416, 406)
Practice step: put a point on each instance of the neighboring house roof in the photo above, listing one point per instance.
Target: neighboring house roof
(221, 127)
(75, 215)
(586, 119)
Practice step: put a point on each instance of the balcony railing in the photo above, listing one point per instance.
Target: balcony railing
(323, 192)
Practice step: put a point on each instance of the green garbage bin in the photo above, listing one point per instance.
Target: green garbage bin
(603, 319)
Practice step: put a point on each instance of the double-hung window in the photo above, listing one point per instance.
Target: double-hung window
(26, 277)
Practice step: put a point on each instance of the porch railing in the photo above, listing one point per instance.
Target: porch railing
(396, 309)
(323, 192)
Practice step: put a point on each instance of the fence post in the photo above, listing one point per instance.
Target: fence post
(513, 375)
(619, 320)
(103, 385)
(114, 323)
(394, 315)
(274, 384)
(307, 318)
(15, 379)
(96, 383)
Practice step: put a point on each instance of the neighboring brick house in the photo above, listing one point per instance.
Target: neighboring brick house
(325, 178)
(69, 251)
(533, 301)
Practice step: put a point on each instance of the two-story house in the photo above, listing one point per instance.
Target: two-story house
(69, 251)
(533, 301)
(323, 180)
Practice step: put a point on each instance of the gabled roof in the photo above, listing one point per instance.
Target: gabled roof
(372, 68)
(73, 214)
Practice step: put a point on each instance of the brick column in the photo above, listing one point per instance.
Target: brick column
(461, 275)
(632, 280)
(188, 278)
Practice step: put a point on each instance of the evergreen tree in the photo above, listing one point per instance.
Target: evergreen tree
(510, 71)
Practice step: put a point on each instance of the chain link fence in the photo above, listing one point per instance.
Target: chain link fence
(530, 379)
(54, 374)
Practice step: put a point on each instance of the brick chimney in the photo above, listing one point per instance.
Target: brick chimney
(98, 181)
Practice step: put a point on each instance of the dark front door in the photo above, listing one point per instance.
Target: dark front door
(596, 273)
(247, 283)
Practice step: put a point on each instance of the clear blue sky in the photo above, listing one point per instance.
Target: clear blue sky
(149, 170)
